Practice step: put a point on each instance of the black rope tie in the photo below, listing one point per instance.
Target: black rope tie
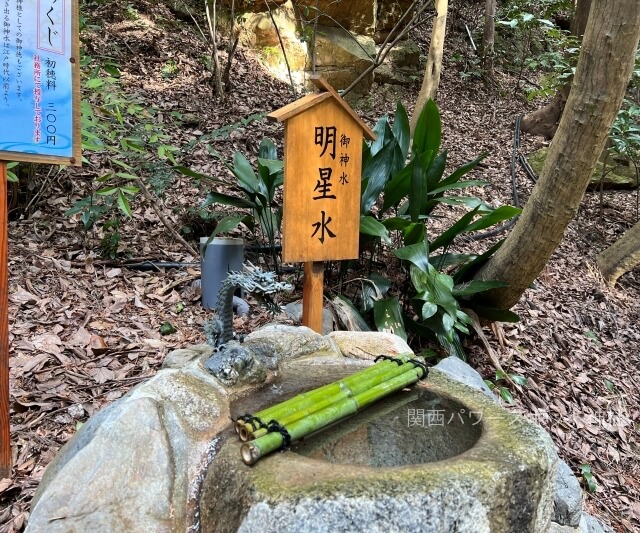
(417, 363)
(275, 427)
(420, 364)
(396, 360)
(254, 421)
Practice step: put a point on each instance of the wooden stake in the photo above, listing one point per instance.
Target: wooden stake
(5, 439)
(312, 295)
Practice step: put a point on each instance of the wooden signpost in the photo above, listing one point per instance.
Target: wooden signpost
(39, 123)
(322, 173)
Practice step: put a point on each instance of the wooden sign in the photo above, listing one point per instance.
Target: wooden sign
(40, 89)
(322, 175)
(39, 123)
(322, 165)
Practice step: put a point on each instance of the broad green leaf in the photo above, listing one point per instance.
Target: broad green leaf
(167, 329)
(272, 175)
(401, 129)
(520, 380)
(246, 177)
(268, 149)
(428, 132)
(225, 225)
(471, 202)
(588, 477)
(502, 213)
(103, 179)
(447, 237)
(443, 261)
(448, 323)
(373, 289)
(388, 316)
(418, 254)
(505, 394)
(398, 187)
(384, 135)
(414, 233)
(123, 204)
(476, 286)
(434, 173)
(417, 192)
(378, 170)
(441, 287)
(396, 223)
(94, 83)
(197, 175)
(459, 185)
(348, 314)
(450, 341)
(467, 270)
(371, 226)
(464, 169)
(107, 191)
(428, 310)
(366, 153)
(422, 283)
(225, 199)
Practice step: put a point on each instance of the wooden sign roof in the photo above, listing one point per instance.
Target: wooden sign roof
(311, 100)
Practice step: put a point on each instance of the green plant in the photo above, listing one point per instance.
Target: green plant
(169, 69)
(558, 63)
(125, 128)
(11, 176)
(526, 25)
(625, 133)
(255, 192)
(398, 200)
(589, 480)
(500, 382)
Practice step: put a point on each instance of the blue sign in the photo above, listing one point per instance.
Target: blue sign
(39, 65)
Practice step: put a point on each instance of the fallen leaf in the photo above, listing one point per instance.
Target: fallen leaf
(23, 297)
(102, 374)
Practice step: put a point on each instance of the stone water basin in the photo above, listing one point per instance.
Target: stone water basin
(165, 459)
(439, 457)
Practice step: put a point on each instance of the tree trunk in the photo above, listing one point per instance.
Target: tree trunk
(621, 256)
(580, 18)
(489, 36)
(544, 121)
(434, 62)
(605, 65)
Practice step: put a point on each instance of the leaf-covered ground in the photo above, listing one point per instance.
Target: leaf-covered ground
(85, 329)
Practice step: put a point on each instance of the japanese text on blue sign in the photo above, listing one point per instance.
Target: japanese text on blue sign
(36, 96)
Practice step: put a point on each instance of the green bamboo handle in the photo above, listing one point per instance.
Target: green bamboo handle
(307, 399)
(285, 417)
(254, 450)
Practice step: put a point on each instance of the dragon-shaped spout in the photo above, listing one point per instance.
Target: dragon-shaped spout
(231, 362)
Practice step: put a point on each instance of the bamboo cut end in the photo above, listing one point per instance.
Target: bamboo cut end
(250, 454)
(244, 433)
